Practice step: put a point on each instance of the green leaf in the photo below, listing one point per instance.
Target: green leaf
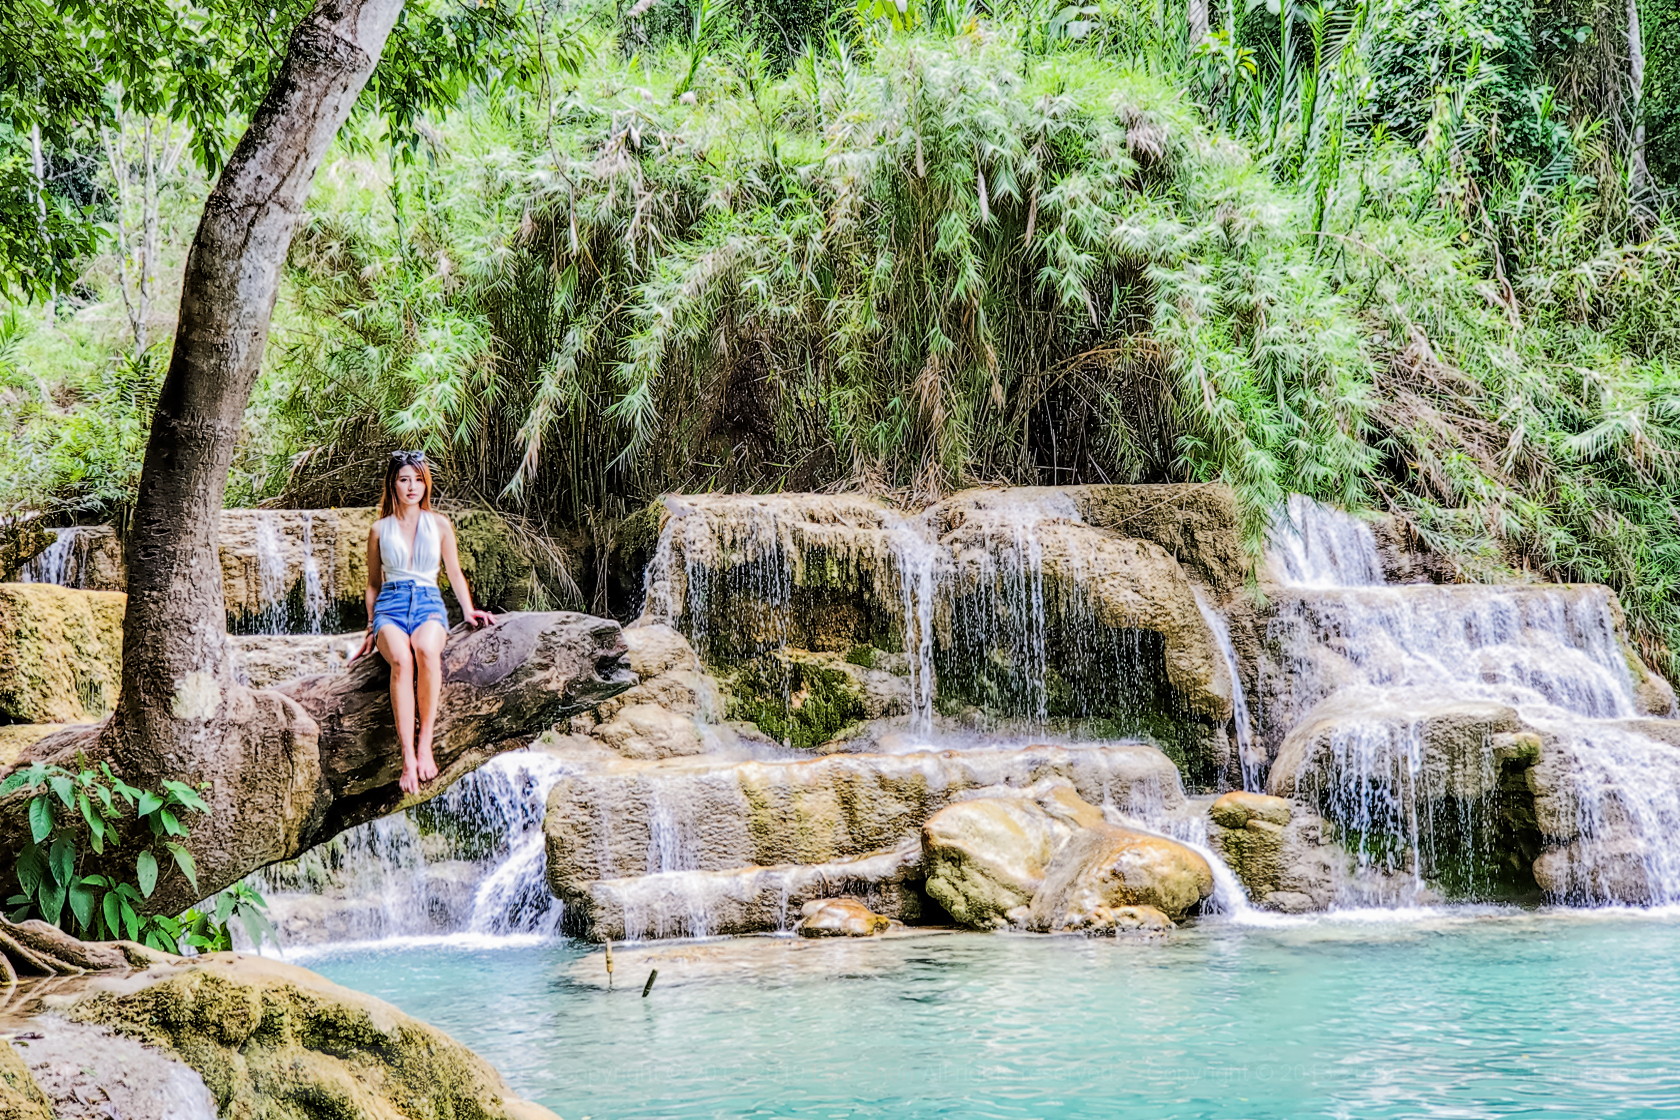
(158, 940)
(65, 788)
(146, 870)
(225, 903)
(149, 803)
(62, 861)
(184, 860)
(170, 824)
(131, 920)
(31, 869)
(51, 902)
(40, 818)
(112, 912)
(81, 905)
(257, 926)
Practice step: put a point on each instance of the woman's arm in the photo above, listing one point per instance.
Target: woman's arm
(457, 581)
(370, 594)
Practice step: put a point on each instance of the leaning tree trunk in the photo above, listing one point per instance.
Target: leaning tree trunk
(181, 711)
(278, 793)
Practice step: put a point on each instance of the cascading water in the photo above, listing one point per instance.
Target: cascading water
(1391, 681)
(271, 576)
(52, 565)
(918, 558)
(315, 592)
(469, 862)
(1316, 546)
(1249, 756)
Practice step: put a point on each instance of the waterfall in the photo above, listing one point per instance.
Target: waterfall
(1380, 662)
(53, 564)
(469, 862)
(1249, 756)
(314, 592)
(271, 575)
(1316, 546)
(918, 564)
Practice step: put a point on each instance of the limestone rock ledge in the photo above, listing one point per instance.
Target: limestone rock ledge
(272, 1041)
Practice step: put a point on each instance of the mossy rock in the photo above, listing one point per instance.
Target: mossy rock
(496, 563)
(20, 543)
(799, 702)
(276, 1042)
(60, 653)
(20, 1097)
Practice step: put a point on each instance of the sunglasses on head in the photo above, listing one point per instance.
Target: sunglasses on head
(408, 458)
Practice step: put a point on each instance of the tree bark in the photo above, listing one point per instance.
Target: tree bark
(180, 711)
(338, 765)
(1637, 173)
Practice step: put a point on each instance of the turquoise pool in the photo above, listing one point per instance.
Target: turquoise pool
(1430, 1015)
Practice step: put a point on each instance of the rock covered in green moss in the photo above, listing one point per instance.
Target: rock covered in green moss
(497, 564)
(60, 653)
(276, 1042)
(20, 1097)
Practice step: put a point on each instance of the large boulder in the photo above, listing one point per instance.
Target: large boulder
(840, 917)
(1045, 859)
(1277, 849)
(272, 1041)
(1105, 868)
(984, 859)
(60, 653)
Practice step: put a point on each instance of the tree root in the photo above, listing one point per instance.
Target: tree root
(35, 948)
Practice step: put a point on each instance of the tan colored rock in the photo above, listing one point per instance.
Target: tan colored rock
(1104, 921)
(617, 819)
(985, 858)
(1278, 850)
(60, 653)
(840, 917)
(20, 1097)
(276, 1042)
(650, 731)
(1108, 866)
(1238, 808)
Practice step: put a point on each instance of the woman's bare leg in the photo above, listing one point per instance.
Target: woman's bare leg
(394, 647)
(428, 683)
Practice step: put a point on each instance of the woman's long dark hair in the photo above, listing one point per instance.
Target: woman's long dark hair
(399, 460)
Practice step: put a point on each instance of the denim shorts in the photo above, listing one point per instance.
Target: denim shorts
(408, 605)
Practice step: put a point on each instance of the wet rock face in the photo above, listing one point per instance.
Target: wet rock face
(674, 846)
(60, 653)
(275, 1042)
(821, 612)
(1277, 849)
(1107, 868)
(985, 859)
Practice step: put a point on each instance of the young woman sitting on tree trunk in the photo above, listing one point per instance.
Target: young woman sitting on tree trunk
(408, 622)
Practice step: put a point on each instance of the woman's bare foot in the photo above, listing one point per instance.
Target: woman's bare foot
(410, 780)
(427, 765)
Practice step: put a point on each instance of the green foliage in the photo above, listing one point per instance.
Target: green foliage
(95, 807)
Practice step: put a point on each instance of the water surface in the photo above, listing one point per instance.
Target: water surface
(1456, 1014)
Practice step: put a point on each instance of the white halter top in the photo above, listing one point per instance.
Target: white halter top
(399, 566)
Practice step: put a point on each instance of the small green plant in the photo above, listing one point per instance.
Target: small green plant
(67, 806)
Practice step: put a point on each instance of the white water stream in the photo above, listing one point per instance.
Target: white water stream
(1384, 661)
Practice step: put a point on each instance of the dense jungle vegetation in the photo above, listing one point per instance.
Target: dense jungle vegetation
(1417, 256)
